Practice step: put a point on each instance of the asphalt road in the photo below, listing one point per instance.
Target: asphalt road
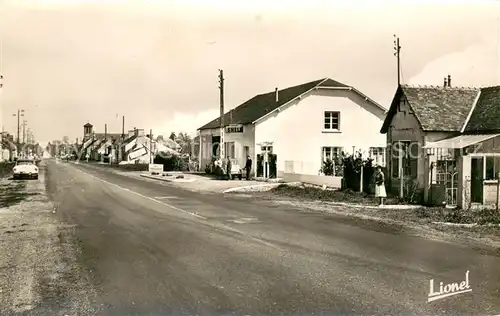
(151, 249)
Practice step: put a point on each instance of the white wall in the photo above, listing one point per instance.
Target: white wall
(297, 130)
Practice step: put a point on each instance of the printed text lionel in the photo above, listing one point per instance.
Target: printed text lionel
(449, 289)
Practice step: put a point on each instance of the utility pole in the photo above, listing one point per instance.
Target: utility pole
(24, 131)
(120, 144)
(221, 88)
(150, 146)
(105, 132)
(397, 53)
(24, 137)
(19, 114)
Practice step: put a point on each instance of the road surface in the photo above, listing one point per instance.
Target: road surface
(150, 249)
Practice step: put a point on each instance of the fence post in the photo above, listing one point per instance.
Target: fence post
(361, 180)
(498, 190)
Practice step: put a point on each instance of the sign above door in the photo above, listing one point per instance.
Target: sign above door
(234, 129)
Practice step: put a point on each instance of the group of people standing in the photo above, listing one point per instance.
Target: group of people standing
(226, 165)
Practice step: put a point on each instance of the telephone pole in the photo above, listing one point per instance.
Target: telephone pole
(221, 88)
(24, 131)
(24, 136)
(150, 146)
(19, 114)
(397, 53)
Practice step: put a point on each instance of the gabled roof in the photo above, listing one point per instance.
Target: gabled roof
(436, 108)
(262, 104)
(107, 135)
(88, 125)
(485, 116)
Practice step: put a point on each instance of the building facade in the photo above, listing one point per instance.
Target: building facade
(445, 140)
(302, 125)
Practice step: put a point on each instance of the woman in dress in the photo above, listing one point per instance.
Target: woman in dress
(380, 185)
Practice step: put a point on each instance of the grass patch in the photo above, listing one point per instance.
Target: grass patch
(421, 214)
(315, 193)
(6, 168)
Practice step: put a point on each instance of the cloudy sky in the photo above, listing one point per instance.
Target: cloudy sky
(67, 63)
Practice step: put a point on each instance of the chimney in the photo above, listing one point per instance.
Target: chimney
(276, 93)
(445, 82)
(449, 81)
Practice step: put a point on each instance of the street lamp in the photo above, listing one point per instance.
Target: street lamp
(20, 113)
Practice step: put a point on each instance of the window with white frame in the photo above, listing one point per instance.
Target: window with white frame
(332, 121)
(333, 153)
(378, 155)
(492, 168)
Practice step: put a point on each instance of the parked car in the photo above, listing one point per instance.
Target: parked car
(236, 171)
(25, 169)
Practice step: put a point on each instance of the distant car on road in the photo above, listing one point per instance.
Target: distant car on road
(25, 168)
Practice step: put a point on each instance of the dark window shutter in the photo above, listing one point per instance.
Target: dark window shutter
(395, 167)
(413, 168)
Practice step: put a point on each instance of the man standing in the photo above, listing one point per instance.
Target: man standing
(229, 167)
(248, 167)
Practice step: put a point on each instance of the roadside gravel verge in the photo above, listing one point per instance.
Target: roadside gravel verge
(38, 274)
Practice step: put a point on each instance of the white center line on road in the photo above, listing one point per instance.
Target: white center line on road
(165, 197)
(143, 196)
(184, 211)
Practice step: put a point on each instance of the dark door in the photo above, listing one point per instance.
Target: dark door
(476, 188)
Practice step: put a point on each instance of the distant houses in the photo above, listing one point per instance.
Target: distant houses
(133, 147)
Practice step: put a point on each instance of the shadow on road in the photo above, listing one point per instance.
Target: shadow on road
(13, 193)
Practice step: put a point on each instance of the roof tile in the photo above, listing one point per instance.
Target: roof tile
(486, 114)
(440, 108)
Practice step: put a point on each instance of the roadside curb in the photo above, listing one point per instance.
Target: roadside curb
(465, 225)
(254, 188)
(166, 179)
(376, 207)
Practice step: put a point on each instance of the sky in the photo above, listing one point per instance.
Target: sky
(70, 62)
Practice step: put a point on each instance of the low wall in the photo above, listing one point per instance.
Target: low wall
(330, 181)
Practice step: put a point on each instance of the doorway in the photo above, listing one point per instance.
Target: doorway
(476, 189)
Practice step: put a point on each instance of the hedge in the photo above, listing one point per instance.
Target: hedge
(172, 162)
